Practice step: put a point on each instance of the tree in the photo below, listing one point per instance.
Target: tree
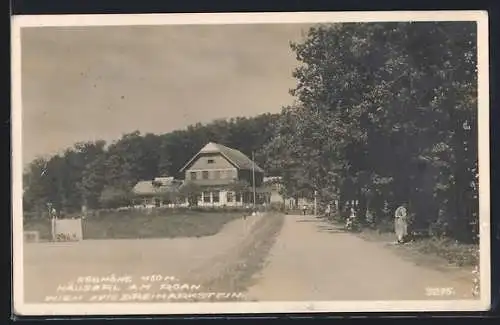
(115, 197)
(35, 187)
(93, 181)
(191, 192)
(379, 117)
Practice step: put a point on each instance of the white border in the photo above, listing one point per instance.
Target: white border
(481, 17)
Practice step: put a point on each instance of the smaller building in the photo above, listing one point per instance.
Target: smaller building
(156, 193)
(273, 185)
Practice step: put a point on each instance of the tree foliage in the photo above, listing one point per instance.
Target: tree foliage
(98, 176)
(190, 191)
(386, 112)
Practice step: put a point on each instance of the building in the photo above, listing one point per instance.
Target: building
(274, 184)
(225, 177)
(156, 192)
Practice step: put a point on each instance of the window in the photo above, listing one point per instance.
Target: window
(210, 161)
(230, 197)
(206, 197)
(204, 174)
(238, 197)
(215, 197)
(216, 174)
(193, 175)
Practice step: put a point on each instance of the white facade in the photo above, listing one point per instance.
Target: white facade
(276, 197)
(220, 198)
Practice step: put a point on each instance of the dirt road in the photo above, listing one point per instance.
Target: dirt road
(315, 261)
(310, 260)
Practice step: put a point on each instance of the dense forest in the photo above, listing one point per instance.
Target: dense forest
(385, 114)
(92, 173)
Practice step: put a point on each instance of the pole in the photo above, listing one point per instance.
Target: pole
(52, 221)
(253, 179)
(315, 203)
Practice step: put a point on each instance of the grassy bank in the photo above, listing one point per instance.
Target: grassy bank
(431, 249)
(236, 271)
(426, 250)
(136, 224)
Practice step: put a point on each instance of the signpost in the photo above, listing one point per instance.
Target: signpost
(253, 179)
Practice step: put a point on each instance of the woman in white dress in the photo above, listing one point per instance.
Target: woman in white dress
(401, 223)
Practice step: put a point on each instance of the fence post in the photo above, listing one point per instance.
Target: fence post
(315, 203)
(53, 228)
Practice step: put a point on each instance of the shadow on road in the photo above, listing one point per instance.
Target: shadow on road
(322, 225)
(332, 230)
(307, 218)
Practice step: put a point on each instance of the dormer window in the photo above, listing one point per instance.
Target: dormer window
(210, 161)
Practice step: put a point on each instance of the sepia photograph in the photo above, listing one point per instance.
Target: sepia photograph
(250, 163)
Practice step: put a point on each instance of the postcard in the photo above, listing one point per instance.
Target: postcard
(250, 163)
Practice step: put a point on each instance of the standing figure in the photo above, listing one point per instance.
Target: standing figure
(304, 209)
(351, 219)
(328, 210)
(401, 223)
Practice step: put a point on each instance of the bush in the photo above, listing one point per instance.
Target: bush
(41, 225)
(112, 197)
(451, 250)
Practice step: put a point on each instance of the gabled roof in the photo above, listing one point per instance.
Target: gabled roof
(235, 157)
(150, 188)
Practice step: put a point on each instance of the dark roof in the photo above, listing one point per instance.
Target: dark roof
(236, 157)
(155, 187)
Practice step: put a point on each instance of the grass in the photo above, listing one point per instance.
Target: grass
(431, 251)
(245, 261)
(452, 251)
(137, 224)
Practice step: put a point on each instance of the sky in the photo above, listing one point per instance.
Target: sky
(89, 83)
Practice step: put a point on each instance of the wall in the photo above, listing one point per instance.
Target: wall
(217, 170)
(276, 197)
(219, 162)
(68, 229)
(303, 201)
